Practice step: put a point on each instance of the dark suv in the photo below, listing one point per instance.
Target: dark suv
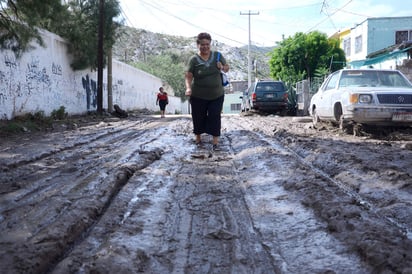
(267, 96)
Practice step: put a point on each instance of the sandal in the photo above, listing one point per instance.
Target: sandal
(216, 147)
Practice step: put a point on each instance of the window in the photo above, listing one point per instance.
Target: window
(270, 86)
(235, 107)
(332, 81)
(403, 36)
(358, 44)
(346, 46)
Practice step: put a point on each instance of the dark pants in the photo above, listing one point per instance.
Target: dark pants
(162, 104)
(206, 115)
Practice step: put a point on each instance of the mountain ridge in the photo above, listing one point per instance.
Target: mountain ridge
(136, 45)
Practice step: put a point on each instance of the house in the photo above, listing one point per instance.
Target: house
(232, 103)
(382, 42)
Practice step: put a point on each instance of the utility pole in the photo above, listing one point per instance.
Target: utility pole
(109, 81)
(249, 65)
(100, 59)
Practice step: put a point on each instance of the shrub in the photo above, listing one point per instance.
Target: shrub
(59, 114)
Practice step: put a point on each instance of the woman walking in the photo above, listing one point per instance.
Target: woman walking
(162, 100)
(204, 86)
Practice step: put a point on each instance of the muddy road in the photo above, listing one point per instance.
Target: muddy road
(137, 196)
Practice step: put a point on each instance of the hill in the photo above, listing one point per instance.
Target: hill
(136, 45)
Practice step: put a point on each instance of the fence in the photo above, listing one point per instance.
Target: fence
(304, 91)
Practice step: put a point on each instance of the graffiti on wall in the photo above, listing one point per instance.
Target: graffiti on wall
(8, 86)
(37, 78)
(10, 61)
(38, 81)
(3, 95)
(19, 83)
(90, 87)
(57, 69)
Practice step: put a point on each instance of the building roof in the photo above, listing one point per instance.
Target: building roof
(388, 50)
(383, 55)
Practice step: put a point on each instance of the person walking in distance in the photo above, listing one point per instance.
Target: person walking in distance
(162, 100)
(203, 82)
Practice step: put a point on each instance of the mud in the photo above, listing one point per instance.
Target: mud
(136, 196)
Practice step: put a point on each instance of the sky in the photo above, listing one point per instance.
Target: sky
(270, 20)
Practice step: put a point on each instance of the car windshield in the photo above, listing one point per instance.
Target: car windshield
(271, 86)
(373, 78)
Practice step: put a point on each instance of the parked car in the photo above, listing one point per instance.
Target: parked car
(363, 96)
(267, 96)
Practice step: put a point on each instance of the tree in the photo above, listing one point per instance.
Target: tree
(19, 22)
(303, 55)
(167, 67)
(77, 22)
(81, 30)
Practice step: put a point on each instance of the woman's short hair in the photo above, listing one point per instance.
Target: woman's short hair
(203, 35)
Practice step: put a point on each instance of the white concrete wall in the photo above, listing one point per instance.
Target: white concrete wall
(359, 30)
(231, 102)
(42, 80)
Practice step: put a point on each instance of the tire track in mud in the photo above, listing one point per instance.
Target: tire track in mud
(368, 201)
(124, 238)
(207, 219)
(348, 216)
(83, 137)
(144, 204)
(54, 208)
(212, 222)
(362, 201)
(290, 231)
(198, 222)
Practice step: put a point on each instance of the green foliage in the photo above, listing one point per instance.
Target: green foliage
(168, 67)
(292, 99)
(26, 123)
(77, 22)
(81, 30)
(59, 114)
(7, 128)
(321, 72)
(37, 116)
(19, 20)
(300, 56)
(30, 122)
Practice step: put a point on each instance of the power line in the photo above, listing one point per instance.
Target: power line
(324, 9)
(161, 9)
(125, 16)
(330, 15)
(157, 10)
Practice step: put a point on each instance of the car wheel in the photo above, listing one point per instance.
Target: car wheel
(315, 118)
(346, 126)
(339, 118)
(342, 123)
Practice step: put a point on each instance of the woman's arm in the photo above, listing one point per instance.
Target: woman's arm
(188, 83)
(222, 64)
